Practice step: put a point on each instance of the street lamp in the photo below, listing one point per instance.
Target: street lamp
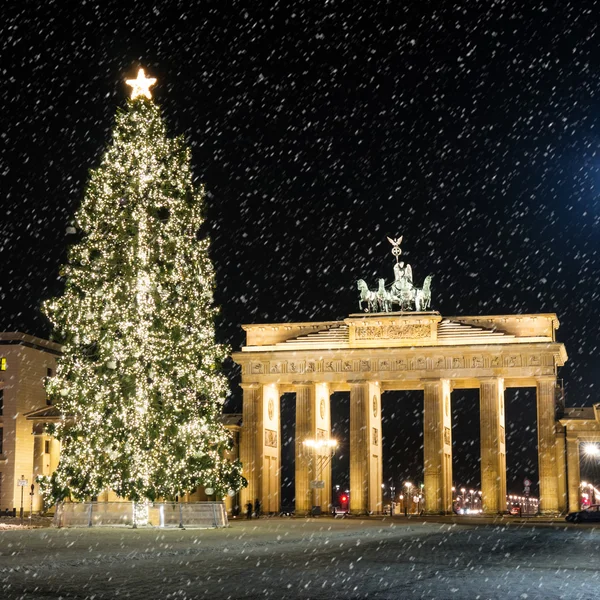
(591, 449)
(408, 486)
(322, 452)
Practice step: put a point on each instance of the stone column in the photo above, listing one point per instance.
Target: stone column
(375, 450)
(561, 462)
(269, 449)
(323, 453)
(305, 426)
(437, 446)
(493, 447)
(573, 474)
(365, 448)
(546, 400)
(249, 441)
(359, 444)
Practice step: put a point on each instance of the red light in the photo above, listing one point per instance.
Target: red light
(344, 498)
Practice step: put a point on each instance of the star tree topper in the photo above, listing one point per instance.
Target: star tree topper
(141, 85)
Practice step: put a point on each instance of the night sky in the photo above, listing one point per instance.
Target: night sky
(319, 128)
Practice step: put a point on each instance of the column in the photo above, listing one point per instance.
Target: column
(248, 441)
(561, 463)
(546, 400)
(269, 449)
(305, 426)
(323, 452)
(365, 448)
(437, 446)
(574, 482)
(493, 448)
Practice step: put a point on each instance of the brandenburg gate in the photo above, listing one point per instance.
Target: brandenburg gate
(370, 353)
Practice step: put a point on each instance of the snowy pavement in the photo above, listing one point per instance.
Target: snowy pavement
(305, 559)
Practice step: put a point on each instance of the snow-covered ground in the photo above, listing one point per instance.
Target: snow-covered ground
(293, 558)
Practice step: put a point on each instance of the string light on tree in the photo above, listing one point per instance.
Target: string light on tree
(139, 379)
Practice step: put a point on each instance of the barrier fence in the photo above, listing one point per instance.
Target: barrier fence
(132, 514)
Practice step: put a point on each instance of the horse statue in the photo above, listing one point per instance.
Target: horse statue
(384, 297)
(368, 296)
(400, 292)
(423, 296)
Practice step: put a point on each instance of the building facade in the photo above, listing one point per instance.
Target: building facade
(25, 363)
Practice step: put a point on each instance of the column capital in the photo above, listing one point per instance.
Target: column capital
(491, 380)
(358, 382)
(303, 383)
(250, 385)
(546, 379)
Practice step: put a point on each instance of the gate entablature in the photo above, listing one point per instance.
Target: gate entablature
(405, 349)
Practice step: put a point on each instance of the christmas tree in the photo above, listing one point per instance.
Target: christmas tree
(139, 383)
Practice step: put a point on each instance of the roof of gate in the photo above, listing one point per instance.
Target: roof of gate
(377, 330)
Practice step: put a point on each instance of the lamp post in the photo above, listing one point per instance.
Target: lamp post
(408, 486)
(322, 452)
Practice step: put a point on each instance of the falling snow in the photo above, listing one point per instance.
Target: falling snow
(319, 128)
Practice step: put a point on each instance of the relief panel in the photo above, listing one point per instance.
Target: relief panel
(514, 360)
(270, 438)
(439, 362)
(384, 365)
(392, 332)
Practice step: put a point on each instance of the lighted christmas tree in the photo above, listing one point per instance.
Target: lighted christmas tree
(139, 382)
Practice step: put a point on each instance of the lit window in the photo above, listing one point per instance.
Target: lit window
(3, 363)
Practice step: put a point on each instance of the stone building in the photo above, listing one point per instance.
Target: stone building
(25, 451)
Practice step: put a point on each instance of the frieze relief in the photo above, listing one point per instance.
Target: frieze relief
(495, 361)
(447, 436)
(514, 360)
(332, 366)
(392, 332)
(256, 367)
(270, 438)
(296, 367)
(419, 363)
(477, 362)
